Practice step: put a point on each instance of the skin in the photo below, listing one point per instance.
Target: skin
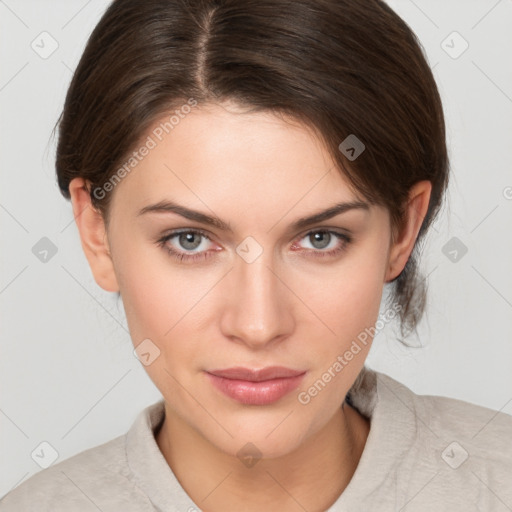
(259, 173)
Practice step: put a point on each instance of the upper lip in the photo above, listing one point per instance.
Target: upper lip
(268, 373)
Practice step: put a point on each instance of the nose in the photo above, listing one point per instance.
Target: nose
(258, 311)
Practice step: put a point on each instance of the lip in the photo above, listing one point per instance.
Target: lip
(256, 386)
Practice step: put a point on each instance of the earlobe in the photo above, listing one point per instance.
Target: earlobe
(403, 244)
(93, 235)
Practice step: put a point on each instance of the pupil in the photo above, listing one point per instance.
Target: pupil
(186, 239)
(323, 237)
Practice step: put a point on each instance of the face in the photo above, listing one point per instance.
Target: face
(254, 290)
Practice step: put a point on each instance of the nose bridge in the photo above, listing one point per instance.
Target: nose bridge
(257, 313)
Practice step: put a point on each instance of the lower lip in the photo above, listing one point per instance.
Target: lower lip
(256, 393)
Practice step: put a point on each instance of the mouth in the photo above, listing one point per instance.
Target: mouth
(256, 386)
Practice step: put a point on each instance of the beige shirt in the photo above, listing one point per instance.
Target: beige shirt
(423, 454)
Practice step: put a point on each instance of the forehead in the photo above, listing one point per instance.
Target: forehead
(226, 155)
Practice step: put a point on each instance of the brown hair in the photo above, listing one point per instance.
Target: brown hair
(341, 66)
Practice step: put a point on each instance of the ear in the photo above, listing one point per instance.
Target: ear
(93, 235)
(403, 244)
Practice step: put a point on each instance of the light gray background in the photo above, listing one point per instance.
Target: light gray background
(68, 374)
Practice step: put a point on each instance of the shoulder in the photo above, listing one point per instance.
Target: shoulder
(483, 430)
(469, 432)
(462, 449)
(97, 478)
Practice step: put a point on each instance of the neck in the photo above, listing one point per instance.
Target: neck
(312, 477)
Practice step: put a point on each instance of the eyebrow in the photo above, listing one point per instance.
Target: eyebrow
(167, 206)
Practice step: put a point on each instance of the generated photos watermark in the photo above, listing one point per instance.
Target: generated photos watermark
(305, 397)
(151, 142)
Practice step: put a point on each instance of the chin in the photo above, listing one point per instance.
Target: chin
(267, 435)
(250, 449)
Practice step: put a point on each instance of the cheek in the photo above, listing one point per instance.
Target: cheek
(348, 303)
(159, 306)
(153, 296)
(163, 303)
(349, 298)
(146, 303)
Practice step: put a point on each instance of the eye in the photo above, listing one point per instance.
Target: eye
(323, 239)
(189, 245)
(192, 245)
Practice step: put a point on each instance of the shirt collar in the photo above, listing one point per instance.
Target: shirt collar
(152, 473)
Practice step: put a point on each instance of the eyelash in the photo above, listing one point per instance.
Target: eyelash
(162, 242)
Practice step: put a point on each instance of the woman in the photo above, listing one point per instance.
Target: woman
(248, 176)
